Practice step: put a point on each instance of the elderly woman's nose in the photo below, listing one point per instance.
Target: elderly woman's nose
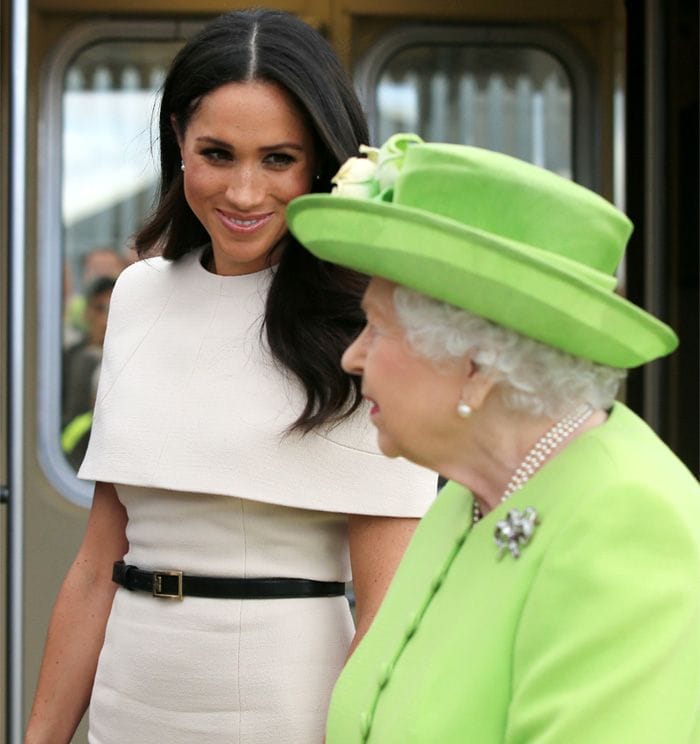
(353, 358)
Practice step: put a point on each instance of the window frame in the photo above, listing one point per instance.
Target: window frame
(50, 226)
(586, 125)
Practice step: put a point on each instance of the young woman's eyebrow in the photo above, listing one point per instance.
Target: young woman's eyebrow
(214, 141)
(268, 148)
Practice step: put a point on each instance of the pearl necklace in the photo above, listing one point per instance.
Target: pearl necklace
(534, 459)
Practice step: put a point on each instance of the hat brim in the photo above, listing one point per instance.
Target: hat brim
(506, 282)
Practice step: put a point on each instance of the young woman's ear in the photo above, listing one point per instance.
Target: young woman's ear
(176, 129)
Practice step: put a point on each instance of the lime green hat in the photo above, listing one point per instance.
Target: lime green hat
(491, 234)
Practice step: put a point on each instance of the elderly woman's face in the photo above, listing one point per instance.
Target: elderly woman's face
(412, 401)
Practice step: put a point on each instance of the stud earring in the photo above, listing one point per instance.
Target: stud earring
(182, 165)
(318, 176)
(464, 410)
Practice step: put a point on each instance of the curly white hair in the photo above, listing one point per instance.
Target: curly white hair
(532, 376)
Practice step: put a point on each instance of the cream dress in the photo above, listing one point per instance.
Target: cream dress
(189, 425)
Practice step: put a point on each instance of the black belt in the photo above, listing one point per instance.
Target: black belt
(176, 585)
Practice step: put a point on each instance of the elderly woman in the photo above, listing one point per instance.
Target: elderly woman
(552, 593)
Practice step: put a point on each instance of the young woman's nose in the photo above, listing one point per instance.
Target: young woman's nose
(246, 188)
(353, 360)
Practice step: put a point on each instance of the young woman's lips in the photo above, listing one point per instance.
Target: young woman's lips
(241, 224)
(373, 407)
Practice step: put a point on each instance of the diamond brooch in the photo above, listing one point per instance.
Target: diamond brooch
(515, 531)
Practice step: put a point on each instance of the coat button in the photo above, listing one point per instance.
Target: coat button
(365, 725)
(385, 672)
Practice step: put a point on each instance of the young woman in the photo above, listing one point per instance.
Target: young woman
(237, 480)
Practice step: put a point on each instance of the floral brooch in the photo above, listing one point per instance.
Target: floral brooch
(515, 531)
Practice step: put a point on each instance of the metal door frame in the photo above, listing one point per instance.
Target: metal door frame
(15, 384)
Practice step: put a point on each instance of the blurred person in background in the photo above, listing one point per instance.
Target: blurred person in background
(98, 263)
(82, 358)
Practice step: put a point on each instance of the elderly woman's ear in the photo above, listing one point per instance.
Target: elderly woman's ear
(476, 385)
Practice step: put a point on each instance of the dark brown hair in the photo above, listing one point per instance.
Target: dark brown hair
(313, 307)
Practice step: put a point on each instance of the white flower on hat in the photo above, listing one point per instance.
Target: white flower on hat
(365, 178)
(356, 178)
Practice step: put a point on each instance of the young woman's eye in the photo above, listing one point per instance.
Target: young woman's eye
(279, 159)
(216, 154)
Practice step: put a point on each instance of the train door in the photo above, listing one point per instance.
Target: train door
(447, 71)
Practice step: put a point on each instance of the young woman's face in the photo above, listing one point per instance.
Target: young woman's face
(412, 401)
(248, 151)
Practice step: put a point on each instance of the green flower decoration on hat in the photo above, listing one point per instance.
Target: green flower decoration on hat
(494, 235)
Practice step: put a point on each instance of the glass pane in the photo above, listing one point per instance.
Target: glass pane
(514, 99)
(109, 100)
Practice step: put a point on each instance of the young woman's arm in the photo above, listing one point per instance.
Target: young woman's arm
(77, 626)
(377, 545)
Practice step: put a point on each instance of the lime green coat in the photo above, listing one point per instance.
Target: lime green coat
(591, 637)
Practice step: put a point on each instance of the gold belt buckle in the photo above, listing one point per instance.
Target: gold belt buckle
(158, 584)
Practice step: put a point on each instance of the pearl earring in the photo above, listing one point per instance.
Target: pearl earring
(464, 410)
(182, 165)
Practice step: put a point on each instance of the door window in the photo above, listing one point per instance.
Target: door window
(512, 90)
(99, 175)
